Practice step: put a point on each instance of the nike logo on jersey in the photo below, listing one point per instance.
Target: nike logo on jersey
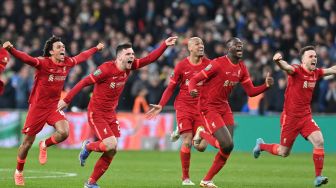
(187, 72)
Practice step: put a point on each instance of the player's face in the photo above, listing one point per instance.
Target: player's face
(309, 60)
(58, 51)
(196, 48)
(127, 57)
(236, 48)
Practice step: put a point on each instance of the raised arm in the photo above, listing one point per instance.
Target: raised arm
(155, 54)
(155, 109)
(250, 89)
(25, 58)
(83, 56)
(329, 71)
(277, 58)
(63, 103)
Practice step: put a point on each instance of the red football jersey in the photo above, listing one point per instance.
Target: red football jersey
(49, 76)
(109, 82)
(222, 76)
(299, 91)
(183, 72)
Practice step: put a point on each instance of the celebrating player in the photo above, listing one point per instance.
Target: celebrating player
(220, 76)
(187, 112)
(296, 117)
(51, 71)
(109, 80)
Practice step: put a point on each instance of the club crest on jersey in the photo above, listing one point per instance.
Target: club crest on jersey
(97, 72)
(208, 67)
(112, 85)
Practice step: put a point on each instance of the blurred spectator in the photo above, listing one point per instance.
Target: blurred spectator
(265, 27)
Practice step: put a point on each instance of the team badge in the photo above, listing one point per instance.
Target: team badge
(97, 72)
(208, 67)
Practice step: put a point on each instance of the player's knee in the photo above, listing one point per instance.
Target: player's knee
(319, 143)
(112, 152)
(227, 147)
(187, 143)
(111, 146)
(27, 144)
(201, 148)
(64, 133)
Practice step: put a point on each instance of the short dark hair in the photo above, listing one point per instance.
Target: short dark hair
(49, 45)
(121, 47)
(306, 48)
(228, 42)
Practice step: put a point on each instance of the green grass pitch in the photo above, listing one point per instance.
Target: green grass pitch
(162, 169)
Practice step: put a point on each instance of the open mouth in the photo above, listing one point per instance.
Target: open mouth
(313, 64)
(130, 61)
(62, 53)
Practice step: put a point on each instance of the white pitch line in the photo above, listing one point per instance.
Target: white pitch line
(54, 174)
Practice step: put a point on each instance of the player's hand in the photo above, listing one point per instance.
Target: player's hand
(100, 46)
(61, 105)
(171, 41)
(154, 110)
(194, 93)
(269, 80)
(277, 57)
(7, 45)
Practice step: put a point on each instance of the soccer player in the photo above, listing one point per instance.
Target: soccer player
(51, 71)
(296, 117)
(187, 112)
(109, 80)
(219, 78)
(4, 58)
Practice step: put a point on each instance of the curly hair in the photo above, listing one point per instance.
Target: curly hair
(49, 45)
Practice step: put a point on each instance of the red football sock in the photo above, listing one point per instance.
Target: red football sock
(20, 164)
(318, 157)
(185, 161)
(100, 168)
(50, 141)
(210, 139)
(270, 148)
(98, 146)
(217, 165)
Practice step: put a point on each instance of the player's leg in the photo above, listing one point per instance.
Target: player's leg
(202, 144)
(21, 158)
(312, 132)
(184, 122)
(185, 156)
(287, 137)
(103, 163)
(202, 133)
(61, 125)
(36, 119)
(215, 124)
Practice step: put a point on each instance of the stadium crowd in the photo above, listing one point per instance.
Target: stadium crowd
(266, 26)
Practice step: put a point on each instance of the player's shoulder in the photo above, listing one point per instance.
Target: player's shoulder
(206, 60)
(108, 66)
(296, 66)
(182, 64)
